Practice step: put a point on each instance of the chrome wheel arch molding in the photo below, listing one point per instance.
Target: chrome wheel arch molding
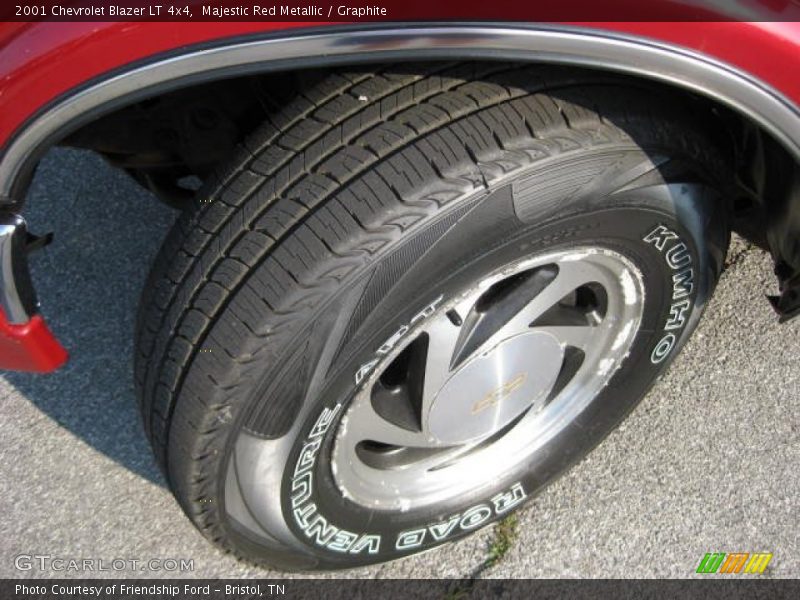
(335, 45)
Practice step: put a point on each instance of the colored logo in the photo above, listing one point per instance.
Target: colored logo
(495, 396)
(735, 562)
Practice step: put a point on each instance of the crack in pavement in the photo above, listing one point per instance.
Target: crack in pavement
(505, 534)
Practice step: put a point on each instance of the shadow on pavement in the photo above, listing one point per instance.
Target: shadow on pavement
(107, 232)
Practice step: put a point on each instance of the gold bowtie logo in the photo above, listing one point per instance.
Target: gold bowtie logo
(499, 394)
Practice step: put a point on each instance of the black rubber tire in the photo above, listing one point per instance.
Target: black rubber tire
(363, 163)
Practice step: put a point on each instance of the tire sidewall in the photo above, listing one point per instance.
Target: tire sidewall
(648, 231)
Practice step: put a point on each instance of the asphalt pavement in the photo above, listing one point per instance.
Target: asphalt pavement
(707, 463)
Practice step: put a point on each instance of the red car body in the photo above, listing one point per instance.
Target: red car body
(41, 61)
(45, 66)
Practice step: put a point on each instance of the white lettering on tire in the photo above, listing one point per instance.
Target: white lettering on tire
(306, 515)
(470, 519)
(678, 258)
(663, 348)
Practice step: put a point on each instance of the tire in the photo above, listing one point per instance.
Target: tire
(415, 297)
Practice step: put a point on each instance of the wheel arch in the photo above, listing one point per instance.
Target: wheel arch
(756, 101)
(759, 107)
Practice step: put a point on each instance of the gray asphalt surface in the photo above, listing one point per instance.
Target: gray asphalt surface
(708, 462)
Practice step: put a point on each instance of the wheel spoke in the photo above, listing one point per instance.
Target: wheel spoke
(441, 457)
(571, 275)
(442, 341)
(363, 423)
(578, 336)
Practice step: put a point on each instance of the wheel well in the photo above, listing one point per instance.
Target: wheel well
(172, 141)
(167, 139)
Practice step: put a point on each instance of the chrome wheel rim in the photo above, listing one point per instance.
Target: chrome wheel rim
(474, 389)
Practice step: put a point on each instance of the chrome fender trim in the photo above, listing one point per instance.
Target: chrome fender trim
(17, 298)
(339, 45)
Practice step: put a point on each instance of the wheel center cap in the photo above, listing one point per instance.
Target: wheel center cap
(491, 390)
